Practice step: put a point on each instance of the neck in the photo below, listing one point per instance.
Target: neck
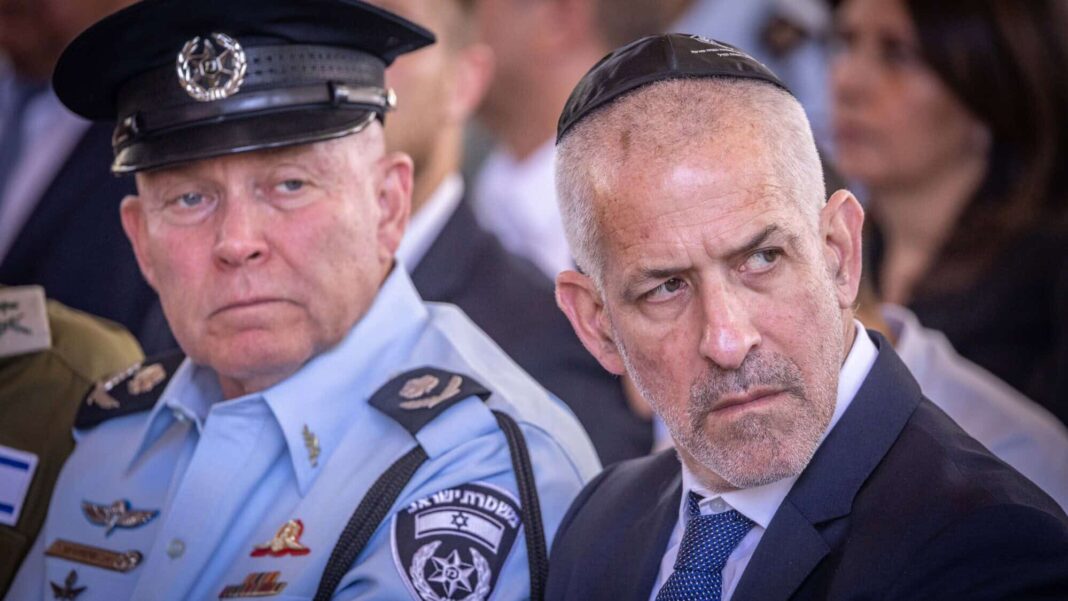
(708, 478)
(917, 218)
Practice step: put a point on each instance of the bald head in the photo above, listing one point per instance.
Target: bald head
(648, 131)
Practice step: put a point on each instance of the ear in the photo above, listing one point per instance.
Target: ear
(394, 202)
(841, 227)
(579, 299)
(473, 72)
(132, 213)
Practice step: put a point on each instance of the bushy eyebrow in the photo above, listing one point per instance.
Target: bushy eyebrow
(756, 241)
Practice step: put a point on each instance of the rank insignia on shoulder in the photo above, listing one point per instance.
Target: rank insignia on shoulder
(285, 542)
(109, 398)
(452, 544)
(416, 397)
(117, 515)
(256, 584)
(68, 590)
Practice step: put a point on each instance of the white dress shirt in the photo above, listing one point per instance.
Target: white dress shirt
(426, 224)
(49, 134)
(760, 503)
(1016, 429)
(516, 200)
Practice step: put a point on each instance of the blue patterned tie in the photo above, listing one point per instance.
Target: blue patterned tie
(706, 545)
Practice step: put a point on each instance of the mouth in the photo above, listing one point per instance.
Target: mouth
(750, 399)
(251, 303)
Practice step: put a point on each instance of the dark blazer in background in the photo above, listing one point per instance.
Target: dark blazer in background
(74, 246)
(515, 304)
(897, 503)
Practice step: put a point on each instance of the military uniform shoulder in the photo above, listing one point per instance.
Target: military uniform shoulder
(92, 346)
(416, 397)
(134, 389)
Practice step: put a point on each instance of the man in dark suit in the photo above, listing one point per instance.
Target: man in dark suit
(452, 259)
(59, 202)
(808, 465)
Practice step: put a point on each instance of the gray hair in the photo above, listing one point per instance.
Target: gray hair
(659, 119)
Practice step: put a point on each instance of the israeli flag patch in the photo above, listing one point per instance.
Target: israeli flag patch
(450, 546)
(16, 473)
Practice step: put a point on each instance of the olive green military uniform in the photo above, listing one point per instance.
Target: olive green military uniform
(39, 396)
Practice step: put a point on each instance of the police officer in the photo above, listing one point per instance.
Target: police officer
(327, 434)
(49, 356)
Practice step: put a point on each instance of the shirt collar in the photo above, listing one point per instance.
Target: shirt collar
(326, 395)
(760, 503)
(426, 224)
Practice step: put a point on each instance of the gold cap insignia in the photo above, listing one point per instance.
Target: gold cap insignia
(212, 67)
(420, 387)
(146, 379)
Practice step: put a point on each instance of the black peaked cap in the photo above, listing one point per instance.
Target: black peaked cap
(311, 67)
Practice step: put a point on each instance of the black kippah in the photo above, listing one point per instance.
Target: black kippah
(652, 59)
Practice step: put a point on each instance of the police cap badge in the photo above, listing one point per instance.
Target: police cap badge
(193, 79)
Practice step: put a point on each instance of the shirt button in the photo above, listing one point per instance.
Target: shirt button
(176, 548)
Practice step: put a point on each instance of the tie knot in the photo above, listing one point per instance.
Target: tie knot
(708, 540)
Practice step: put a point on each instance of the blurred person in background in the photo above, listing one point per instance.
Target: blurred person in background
(50, 355)
(952, 116)
(542, 48)
(789, 36)
(453, 259)
(59, 203)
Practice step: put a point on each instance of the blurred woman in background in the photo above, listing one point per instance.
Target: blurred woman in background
(952, 116)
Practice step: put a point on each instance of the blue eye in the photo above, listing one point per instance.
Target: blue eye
(290, 185)
(190, 200)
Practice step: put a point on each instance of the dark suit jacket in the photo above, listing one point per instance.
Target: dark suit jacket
(897, 503)
(74, 246)
(515, 304)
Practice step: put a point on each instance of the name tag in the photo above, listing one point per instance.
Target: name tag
(16, 473)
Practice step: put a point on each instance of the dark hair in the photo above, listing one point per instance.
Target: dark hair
(1007, 61)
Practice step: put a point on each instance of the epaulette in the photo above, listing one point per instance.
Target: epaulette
(416, 397)
(136, 388)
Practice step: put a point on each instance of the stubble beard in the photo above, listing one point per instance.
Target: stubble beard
(758, 447)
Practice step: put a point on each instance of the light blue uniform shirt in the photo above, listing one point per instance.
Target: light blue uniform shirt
(226, 475)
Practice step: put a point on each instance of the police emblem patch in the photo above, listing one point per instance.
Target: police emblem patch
(450, 546)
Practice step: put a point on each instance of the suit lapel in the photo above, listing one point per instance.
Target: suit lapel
(443, 269)
(88, 161)
(793, 544)
(641, 562)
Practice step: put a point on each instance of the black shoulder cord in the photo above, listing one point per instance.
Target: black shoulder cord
(383, 494)
(363, 523)
(537, 551)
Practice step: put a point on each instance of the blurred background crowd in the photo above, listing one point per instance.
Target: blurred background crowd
(948, 119)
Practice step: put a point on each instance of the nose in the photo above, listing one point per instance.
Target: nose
(240, 238)
(849, 76)
(729, 333)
